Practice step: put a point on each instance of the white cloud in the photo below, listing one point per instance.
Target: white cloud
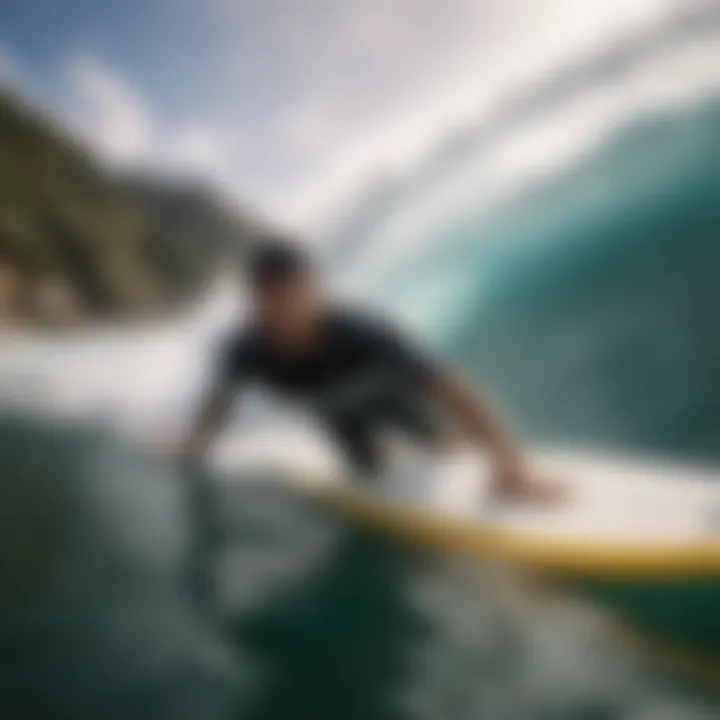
(198, 149)
(110, 113)
(113, 116)
(308, 127)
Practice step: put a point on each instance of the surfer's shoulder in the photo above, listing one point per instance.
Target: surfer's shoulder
(359, 324)
(239, 346)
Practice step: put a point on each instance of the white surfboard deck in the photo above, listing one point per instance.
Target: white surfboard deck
(611, 498)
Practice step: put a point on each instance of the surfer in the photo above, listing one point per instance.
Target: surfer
(360, 376)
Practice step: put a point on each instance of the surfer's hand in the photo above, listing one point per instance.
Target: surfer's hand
(174, 446)
(530, 488)
(546, 491)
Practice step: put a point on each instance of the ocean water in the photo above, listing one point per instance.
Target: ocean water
(586, 303)
(121, 600)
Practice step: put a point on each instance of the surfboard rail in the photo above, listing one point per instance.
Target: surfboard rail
(567, 556)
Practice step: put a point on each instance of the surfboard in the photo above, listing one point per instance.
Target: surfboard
(642, 537)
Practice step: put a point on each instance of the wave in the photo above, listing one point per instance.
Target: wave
(586, 302)
(585, 103)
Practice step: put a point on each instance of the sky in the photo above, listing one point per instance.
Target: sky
(294, 106)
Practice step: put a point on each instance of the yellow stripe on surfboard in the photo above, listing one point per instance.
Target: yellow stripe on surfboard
(572, 556)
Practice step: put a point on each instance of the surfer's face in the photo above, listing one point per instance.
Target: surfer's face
(287, 309)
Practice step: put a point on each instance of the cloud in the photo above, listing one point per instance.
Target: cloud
(110, 113)
(198, 149)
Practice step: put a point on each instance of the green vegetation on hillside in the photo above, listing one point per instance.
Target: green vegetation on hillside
(121, 245)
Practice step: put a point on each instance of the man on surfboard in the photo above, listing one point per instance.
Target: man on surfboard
(360, 376)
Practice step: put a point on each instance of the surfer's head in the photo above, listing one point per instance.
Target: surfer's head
(283, 289)
(276, 261)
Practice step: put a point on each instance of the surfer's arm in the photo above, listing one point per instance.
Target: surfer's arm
(480, 424)
(228, 375)
(211, 418)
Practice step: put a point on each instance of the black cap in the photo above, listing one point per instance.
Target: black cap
(275, 260)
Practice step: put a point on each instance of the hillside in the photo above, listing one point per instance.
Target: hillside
(77, 241)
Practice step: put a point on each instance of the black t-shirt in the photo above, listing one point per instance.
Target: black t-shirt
(360, 369)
